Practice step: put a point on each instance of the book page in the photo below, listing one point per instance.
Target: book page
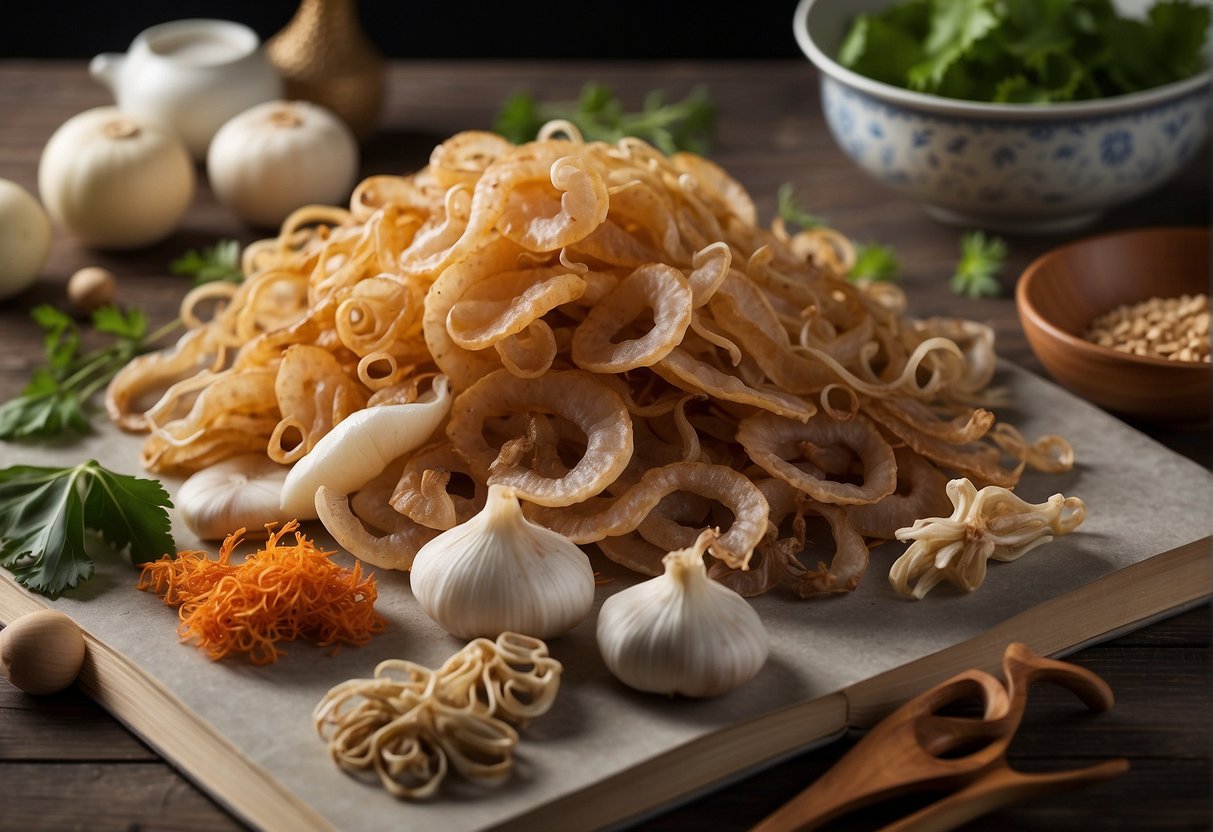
(1142, 499)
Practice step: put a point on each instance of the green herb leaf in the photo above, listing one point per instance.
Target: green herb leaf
(687, 125)
(981, 259)
(874, 262)
(792, 210)
(56, 399)
(218, 262)
(1027, 51)
(44, 513)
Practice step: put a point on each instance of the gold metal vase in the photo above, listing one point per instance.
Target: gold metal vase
(324, 56)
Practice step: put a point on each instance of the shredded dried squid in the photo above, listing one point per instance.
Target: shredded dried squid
(627, 348)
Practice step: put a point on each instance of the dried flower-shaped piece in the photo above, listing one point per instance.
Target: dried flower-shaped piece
(410, 724)
(990, 523)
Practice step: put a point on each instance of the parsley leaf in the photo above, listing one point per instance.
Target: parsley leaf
(874, 262)
(44, 513)
(218, 262)
(688, 125)
(1027, 51)
(981, 259)
(56, 398)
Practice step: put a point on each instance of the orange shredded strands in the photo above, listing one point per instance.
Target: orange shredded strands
(281, 593)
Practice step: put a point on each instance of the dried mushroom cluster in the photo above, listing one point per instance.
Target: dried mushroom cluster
(410, 724)
(628, 350)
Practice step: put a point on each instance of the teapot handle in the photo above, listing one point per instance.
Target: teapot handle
(104, 69)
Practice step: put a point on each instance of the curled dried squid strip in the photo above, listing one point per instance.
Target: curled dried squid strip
(192, 355)
(421, 502)
(395, 550)
(772, 442)
(969, 426)
(377, 312)
(476, 324)
(594, 408)
(655, 286)
(464, 156)
(921, 492)
(709, 268)
(772, 556)
(1051, 453)
(529, 353)
(978, 462)
(313, 394)
(682, 369)
(584, 524)
(848, 563)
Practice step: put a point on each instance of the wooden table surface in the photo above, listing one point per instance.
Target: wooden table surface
(66, 764)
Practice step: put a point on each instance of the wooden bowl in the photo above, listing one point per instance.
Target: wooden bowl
(1064, 290)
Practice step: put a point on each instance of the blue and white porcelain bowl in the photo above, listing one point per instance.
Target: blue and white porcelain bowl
(1016, 168)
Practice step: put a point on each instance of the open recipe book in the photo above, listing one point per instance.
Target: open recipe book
(605, 754)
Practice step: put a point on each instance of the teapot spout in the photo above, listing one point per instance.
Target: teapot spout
(104, 68)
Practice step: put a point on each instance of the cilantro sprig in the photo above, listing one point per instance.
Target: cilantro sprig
(689, 124)
(981, 259)
(44, 513)
(218, 262)
(56, 399)
(1027, 51)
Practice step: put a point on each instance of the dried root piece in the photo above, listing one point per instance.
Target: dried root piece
(411, 725)
(990, 523)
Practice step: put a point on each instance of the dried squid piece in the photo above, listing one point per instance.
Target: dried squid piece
(684, 370)
(976, 343)
(464, 367)
(772, 556)
(582, 208)
(594, 408)
(1051, 454)
(395, 550)
(975, 460)
(920, 493)
(148, 374)
(379, 312)
(990, 523)
(611, 245)
(726, 193)
(419, 196)
(847, 565)
(638, 204)
(709, 268)
(656, 287)
(422, 502)
(514, 301)
(313, 394)
(530, 353)
(464, 156)
(772, 442)
(969, 426)
(600, 519)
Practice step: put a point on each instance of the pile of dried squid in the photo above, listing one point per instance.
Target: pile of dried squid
(630, 352)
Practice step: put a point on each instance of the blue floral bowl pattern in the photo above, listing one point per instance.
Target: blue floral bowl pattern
(1013, 168)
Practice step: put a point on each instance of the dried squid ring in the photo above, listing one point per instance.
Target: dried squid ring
(395, 550)
(530, 353)
(464, 156)
(772, 442)
(595, 409)
(847, 564)
(582, 524)
(654, 286)
(921, 492)
(478, 323)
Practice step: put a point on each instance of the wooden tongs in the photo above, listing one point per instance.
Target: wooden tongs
(916, 748)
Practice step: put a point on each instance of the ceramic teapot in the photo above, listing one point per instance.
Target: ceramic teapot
(191, 75)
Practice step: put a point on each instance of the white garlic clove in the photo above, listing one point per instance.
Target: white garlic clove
(500, 572)
(243, 492)
(41, 652)
(681, 632)
(360, 447)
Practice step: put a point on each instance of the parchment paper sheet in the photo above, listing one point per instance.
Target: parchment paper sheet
(1142, 499)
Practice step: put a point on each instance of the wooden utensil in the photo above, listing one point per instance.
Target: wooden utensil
(916, 748)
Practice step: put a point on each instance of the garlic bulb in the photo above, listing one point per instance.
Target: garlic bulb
(279, 156)
(243, 492)
(41, 652)
(499, 571)
(115, 181)
(25, 238)
(682, 632)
